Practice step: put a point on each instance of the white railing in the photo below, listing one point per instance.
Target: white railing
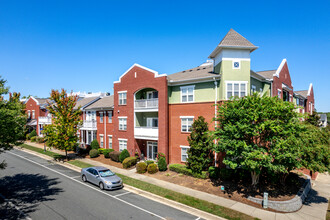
(45, 120)
(89, 124)
(146, 132)
(146, 103)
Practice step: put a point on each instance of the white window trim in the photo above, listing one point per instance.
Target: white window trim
(186, 147)
(187, 87)
(109, 142)
(239, 88)
(110, 118)
(279, 94)
(101, 135)
(122, 139)
(122, 117)
(239, 64)
(120, 92)
(185, 117)
(33, 116)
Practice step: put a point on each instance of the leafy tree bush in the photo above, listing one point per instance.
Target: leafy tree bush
(32, 134)
(141, 167)
(152, 168)
(313, 119)
(162, 165)
(27, 136)
(100, 150)
(200, 155)
(33, 139)
(214, 172)
(107, 152)
(129, 162)
(160, 155)
(62, 133)
(114, 155)
(150, 162)
(93, 153)
(95, 144)
(180, 168)
(123, 155)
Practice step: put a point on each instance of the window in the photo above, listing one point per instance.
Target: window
(152, 95)
(29, 114)
(253, 89)
(260, 90)
(291, 98)
(186, 122)
(123, 123)
(184, 153)
(187, 93)
(236, 64)
(101, 141)
(237, 89)
(109, 116)
(279, 93)
(101, 117)
(152, 122)
(110, 141)
(33, 114)
(297, 101)
(122, 97)
(122, 144)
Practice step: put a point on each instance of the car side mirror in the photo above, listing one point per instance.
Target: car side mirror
(97, 176)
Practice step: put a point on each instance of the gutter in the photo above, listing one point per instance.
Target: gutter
(172, 83)
(215, 115)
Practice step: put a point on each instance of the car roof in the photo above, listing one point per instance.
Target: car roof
(100, 168)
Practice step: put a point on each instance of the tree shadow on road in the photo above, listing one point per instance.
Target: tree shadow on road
(25, 191)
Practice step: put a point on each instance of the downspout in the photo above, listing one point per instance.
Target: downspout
(215, 115)
(105, 129)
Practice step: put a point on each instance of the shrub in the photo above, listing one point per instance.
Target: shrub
(179, 168)
(27, 137)
(152, 168)
(141, 167)
(33, 134)
(160, 155)
(226, 174)
(95, 144)
(33, 139)
(123, 155)
(114, 155)
(162, 165)
(214, 172)
(39, 140)
(107, 152)
(93, 153)
(150, 162)
(100, 150)
(129, 161)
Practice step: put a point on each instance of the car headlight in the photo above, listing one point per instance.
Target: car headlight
(108, 182)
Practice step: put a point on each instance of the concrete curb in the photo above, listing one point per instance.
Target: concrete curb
(151, 196)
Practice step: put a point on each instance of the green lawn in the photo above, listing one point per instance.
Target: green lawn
(166, 193)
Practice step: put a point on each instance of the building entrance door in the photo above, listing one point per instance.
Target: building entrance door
(152, 150)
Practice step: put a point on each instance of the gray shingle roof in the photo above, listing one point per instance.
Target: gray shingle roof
(256, 75)
(233, 38)
(85, 101)
(302, 93)
(268, 74)
(194, 73)
(42, 100)
(105, 102)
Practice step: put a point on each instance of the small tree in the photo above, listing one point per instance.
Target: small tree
(95, 144)
(313, 119)
(12, 120)
(257, 133)
(62, 133)
(200, 154)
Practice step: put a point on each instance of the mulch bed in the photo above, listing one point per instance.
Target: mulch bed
(107, 161)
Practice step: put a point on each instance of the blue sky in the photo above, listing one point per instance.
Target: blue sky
(86, 45)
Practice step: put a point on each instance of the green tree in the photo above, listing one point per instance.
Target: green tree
(313, 119)
(200, 154)
(12, 120)
(257, 133)
(62, 133)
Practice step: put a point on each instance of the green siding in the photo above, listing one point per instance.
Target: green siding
(204, 92)
(266, 89)
(141, 118)
(265, 86)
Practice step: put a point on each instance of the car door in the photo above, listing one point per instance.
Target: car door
(90, 175)
(96, 177)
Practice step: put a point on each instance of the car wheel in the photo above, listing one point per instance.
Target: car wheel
(84, 178)
(101, 185)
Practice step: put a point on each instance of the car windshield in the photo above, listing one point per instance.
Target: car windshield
(106, 173)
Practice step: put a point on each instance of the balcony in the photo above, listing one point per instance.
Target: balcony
(45, 120)
(147, 133)
(143, 104)
(89, 125)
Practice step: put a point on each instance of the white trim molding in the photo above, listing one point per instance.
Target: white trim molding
(122, 139)
(187, 116)
(310, 89)
(279, 69)
(122, 116)
(239, 88)
(142, 67)
(184, 147)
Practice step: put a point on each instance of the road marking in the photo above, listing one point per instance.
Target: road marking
(76, 177)
(122, 194)
(142, 209)
(198, 218)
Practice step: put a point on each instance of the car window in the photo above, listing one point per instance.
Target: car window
(106, 173)
(90, 170)
(95, 172)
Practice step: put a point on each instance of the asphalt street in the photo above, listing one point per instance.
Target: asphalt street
(34, 188)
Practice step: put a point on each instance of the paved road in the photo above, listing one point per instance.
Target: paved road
(44, 190)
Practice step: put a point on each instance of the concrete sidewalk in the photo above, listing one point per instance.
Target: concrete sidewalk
(315, 208)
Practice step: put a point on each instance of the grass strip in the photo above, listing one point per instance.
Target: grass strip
(166, 193)
(40, 150)
(328, 211)
(79, 163)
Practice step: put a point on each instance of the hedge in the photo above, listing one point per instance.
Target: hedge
(129, 162)
(100, 150)
(180, 168)
(150, 162)
(107, 152)
(33, 134)
(95, 144)
(114, 155)
(93, 153)
(152, 168)
(141, 167)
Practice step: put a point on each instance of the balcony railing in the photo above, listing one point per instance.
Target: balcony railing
(45, 120)
(146, 132)
(89, 124)
(146, 103)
